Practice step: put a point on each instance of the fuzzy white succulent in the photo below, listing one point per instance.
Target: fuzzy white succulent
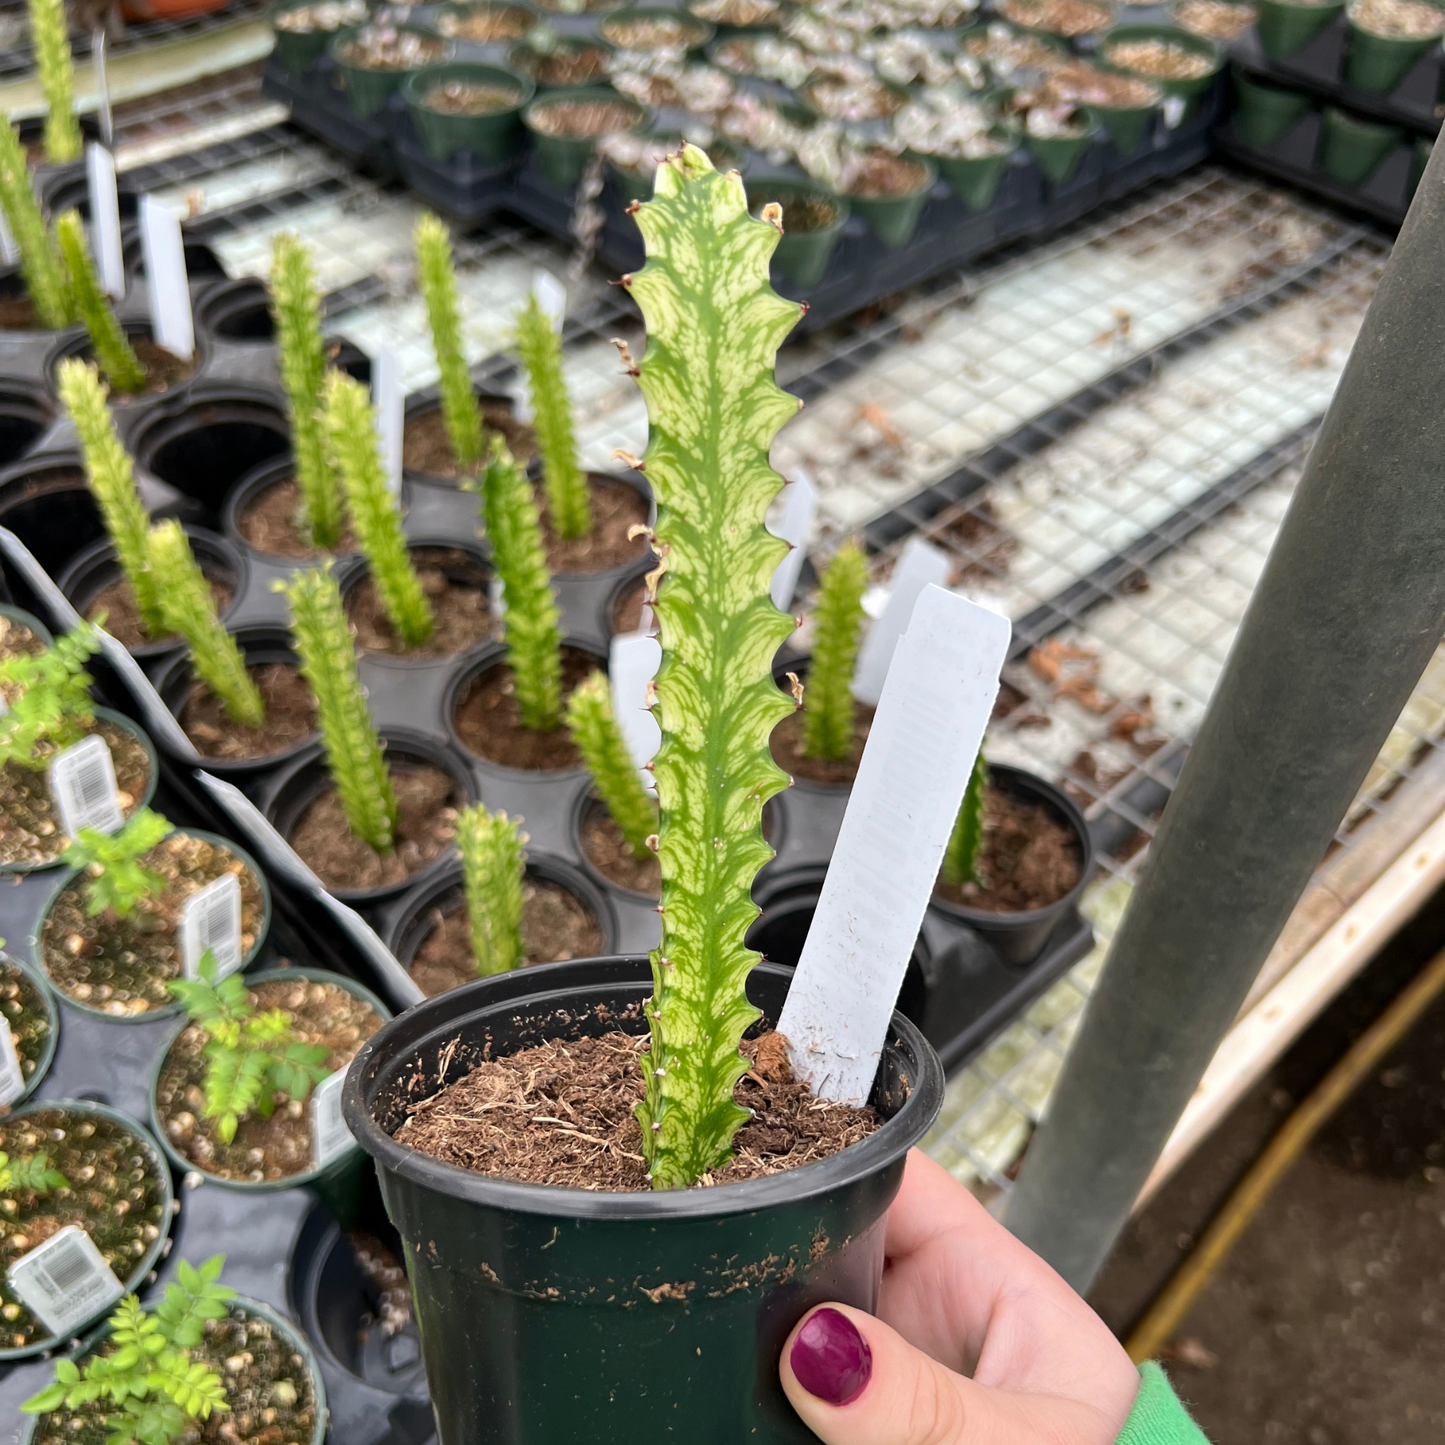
(941, 122)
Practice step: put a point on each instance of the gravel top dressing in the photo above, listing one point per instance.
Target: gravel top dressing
(457, 97)
(1166, 59)
(1058, 17)
(1398, 19)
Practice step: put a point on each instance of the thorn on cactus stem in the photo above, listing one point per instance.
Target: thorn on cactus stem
(772, 213)
(650, 697)
(628, 460)
(795, 687)
(638, 529)
(629, 364)
(656, 1127)
(805, 306)
(633, 208)
(652, 843)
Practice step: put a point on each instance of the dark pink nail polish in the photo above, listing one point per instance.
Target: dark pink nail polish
(831, 1359)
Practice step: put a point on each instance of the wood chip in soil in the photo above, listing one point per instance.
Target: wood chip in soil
(269, 1391)
(114, 1194)
(489, 723)
(30, 831)
(786, 742)
(561, 1113)
(280, 1146)
(609, 853)
(556, 926)
(122, 965)
(616, 508)
(426, 449)
(1029, 858)
(427, 800)
(290, 716)
(268, 524)
(456, 586)
(23, 1009)
(117, 605)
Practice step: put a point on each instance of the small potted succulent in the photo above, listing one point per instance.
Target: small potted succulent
(1067, 19)
(1180, 63)
(887, 191)
(304, 28)
(1221, 20)
(566, 126)
(813, 220)
(1056, 134)
(1351, 147)
(463, 106)
(1386, 38)
(852, 99)
(1124, 104)
(373, 59)
(964, 138)
(654, 28)
(1286, 26)
(487, 23)
(734, 16)
(47, 303)
(28, 1011)
(560, 62)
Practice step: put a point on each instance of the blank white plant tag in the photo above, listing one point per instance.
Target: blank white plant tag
(212, 919)
(165, 259)
(632, 663)
(9, 251)
(330, 1138)
(105, 219)
(921, 748)
(800, 504)
(919, 566)
(82, 782)
(551, 296)
(1173, 110)
(12, 1076)
(65, 1281)
(390, 404)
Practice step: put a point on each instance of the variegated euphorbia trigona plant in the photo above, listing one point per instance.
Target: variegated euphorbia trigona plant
(714, 325)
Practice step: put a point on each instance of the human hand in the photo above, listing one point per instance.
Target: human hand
(977, 1341)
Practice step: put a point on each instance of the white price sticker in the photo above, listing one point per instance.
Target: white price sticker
(82, 782)
(330, 1137)
(12, 1076)
(211, 920)
(65, 1282)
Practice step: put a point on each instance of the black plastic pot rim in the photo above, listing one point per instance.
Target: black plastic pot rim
(585, 803)
(250, 485)
(198, 391)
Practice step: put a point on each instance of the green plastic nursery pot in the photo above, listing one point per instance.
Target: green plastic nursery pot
(1189, 88)
(496, 136)
(1264, 113)
(551, 1314)
(806, 247)
(1058, 157)
(1285, 26)
(1351, 148)
(1378, 63)
(340, 1183)
(1126, 124)
(975, 179)
(297, 50)
(612, 28)
(563, 158)
(894, 219)
(369, 90)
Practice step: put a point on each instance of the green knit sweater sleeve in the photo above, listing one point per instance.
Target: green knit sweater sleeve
(1157, 1417)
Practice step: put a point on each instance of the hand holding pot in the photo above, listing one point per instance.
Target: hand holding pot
(977, 1340)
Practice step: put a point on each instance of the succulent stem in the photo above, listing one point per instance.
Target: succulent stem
(614, 774)
(965, 843)
(40, 262)
(438, 279)
(51, 41)
(540, 348)
(112, 349)
(837, 618)
(493, 863)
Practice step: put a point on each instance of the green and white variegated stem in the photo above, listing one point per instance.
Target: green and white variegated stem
(965, 843)
(57, 79)
(714, 326)
(351, 424)
(540, 348)
(837, 618)
(111, 477)
(493, 863)
(438, 280)
(296, 307)
(112, 350)
(40, 262)
(594, 729)
(190, 611)
(534, 634)
(328, 663)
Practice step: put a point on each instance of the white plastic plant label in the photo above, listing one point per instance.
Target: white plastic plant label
(12, 1076)
(632, 663)
(920, 565)
(1173, 111)
(390, 404)
(330, 1138)
(800, 505)
(65, 1282)
(82, 782)
(9, 251)
(165, 259)
(211, 919)
(921, 749)
(105, 219)
(551, 296)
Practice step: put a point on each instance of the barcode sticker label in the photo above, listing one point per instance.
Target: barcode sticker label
(329, 1134)
(65, 1282)
(212, 919)
(82, 782)
(12, 1076)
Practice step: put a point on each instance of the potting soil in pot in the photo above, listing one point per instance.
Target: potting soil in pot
(113, 1193)
(456, 587)
(23, 1009)
(163, 370)
(269, 1391)
(382, 48)
(562, 1113)
(1398, 19)
(114, 607)
(489, 722)
(608, 852)
(269, 524)
(460, 97)
(653, 32)
(880, 174)
(616, 509)
(737, 12)
(582, 65)
(271, 1148)
(1057, 17)
(1029, 859)
(30, 829)
(579, 119)
(486, 25)
(1214, 19)
(290, 716)
(1083, 85)
(122, 965)
(17, 313)
(1163, 59)
(427, 450)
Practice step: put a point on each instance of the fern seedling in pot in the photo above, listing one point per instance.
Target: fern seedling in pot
(493, 863)
(40, 262)
(112, 348)
(437, 278)
(49, 707)
(117, 878)
(30, 1174)
(540, 350)
(49, 37)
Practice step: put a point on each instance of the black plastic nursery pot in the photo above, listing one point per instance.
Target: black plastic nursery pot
(549, 1314)
(26, 412)
(1264, 113)
(247, 491)
(28, 1007)
(1378, 63)
(45, 501)
(77, 342)
(1285, 26)
(496, 408)
(1351, 148)
(493, 136)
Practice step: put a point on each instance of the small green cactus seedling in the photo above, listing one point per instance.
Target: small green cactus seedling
(614, 774)
(828, 718)
(250, 1057)
(534, 637)
(714, 327)
(965, 843)
(51, 41)
(351, 424)
(438, 281)
(30, 1173)
(113, 351)
(51, 707)
(190, 610)
(296, 307)
(540, 348)
(493, 863)
(353, 749)
(40, 262)
(111, 477)
(119, 881)
(146, 1369)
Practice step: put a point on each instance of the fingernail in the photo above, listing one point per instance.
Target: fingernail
(830, 1359)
